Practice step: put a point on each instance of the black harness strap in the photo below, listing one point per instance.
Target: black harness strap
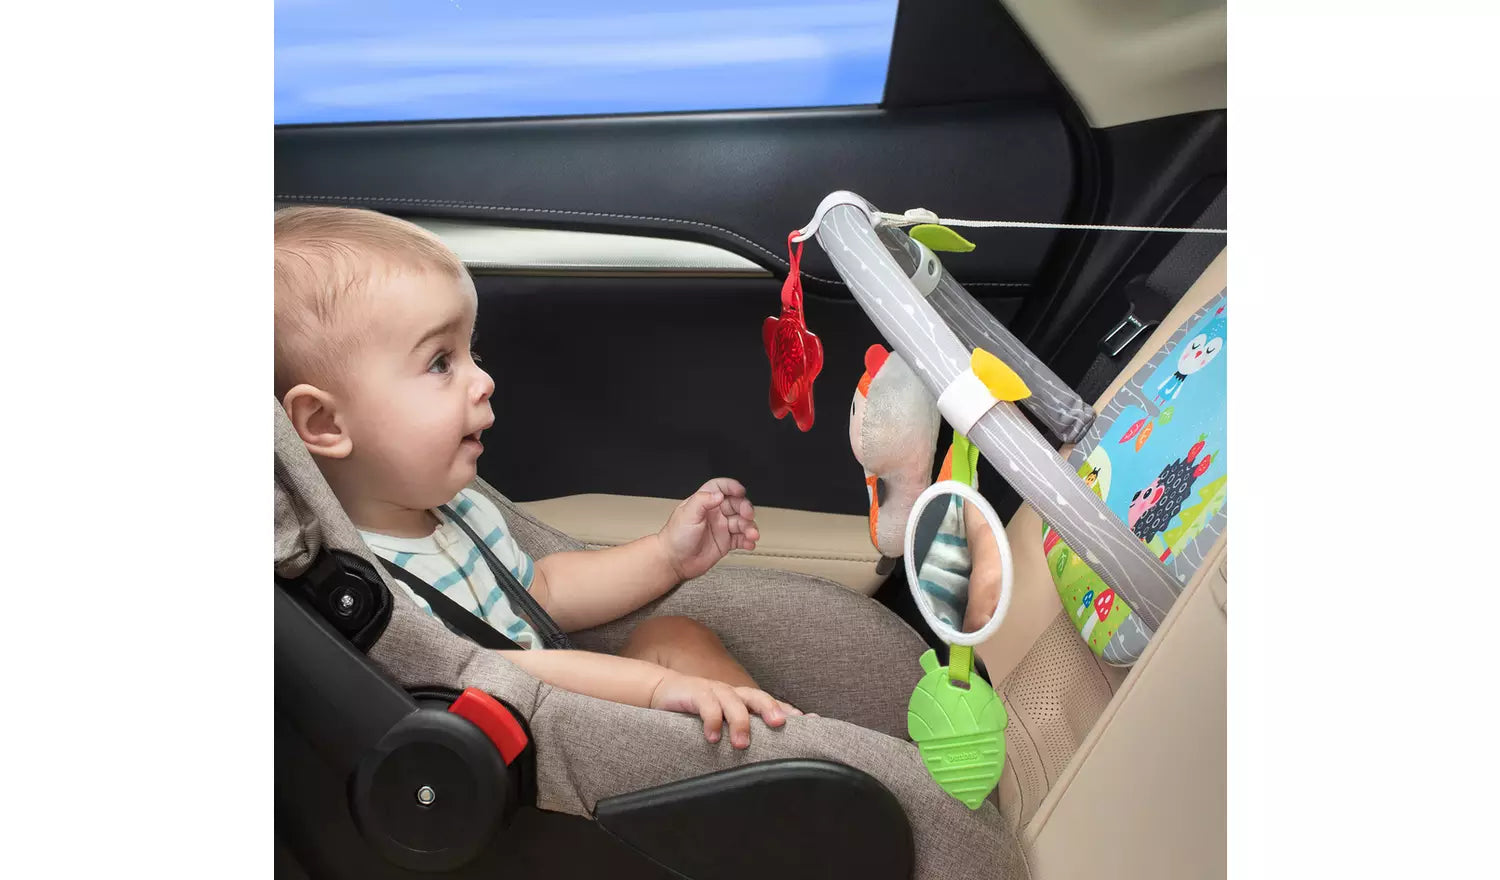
(520, 600)
(458, 618)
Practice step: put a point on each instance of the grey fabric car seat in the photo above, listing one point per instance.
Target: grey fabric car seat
(810, 641)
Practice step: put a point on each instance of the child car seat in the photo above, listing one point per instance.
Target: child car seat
(403, 749)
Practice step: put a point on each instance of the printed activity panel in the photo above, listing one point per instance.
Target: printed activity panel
(1158, 458)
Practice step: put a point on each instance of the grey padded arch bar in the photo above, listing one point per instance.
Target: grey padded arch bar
(1013, 446)
(1052, 400)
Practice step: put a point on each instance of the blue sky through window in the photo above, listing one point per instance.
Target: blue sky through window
(387, 60)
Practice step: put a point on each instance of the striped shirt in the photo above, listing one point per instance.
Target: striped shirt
(450, 562)
(944, 572)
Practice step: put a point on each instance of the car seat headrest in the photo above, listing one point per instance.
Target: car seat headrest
(318, 551)
(320, 555)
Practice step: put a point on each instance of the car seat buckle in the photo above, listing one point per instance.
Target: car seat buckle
(490, 716)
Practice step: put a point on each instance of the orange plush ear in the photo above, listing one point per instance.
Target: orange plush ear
(946, 471)
(875, 357)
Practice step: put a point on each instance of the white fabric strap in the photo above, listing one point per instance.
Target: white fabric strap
(965, 401)
(922, 215)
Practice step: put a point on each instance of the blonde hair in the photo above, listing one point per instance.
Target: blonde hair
(324, 257)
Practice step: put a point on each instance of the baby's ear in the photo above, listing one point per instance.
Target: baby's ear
(315, 415)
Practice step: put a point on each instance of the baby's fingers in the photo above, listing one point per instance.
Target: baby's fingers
(738, 525)
(740, 507)
(742, 535)
(735, 715)
(712, 713)
(726, 486)
(764, 705)
(975, 620)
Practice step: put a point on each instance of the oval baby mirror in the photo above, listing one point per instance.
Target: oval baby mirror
(958, 563)
(959, 567)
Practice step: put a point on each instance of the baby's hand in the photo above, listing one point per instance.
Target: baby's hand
(705, 527)
(717, 704)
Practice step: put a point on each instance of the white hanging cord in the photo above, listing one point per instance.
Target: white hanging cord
(922, 215)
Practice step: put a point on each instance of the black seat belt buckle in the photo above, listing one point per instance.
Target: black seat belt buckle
(1127, 331)
(1146, 310)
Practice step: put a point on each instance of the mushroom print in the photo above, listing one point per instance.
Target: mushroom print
(1102, 606)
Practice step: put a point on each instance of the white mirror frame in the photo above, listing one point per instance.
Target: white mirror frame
(1007, 567)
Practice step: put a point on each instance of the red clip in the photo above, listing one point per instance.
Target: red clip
(487, 713)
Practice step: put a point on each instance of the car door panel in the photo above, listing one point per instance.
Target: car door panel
(649, 386)
(739, 180)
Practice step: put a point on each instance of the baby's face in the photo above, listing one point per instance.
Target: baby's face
(415, 401)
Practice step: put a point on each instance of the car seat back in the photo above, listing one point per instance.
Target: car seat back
(1053, 684)
(1157, 456)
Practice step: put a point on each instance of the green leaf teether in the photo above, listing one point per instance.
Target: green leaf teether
(959, 731)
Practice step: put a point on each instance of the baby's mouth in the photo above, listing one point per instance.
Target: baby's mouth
(474, 437)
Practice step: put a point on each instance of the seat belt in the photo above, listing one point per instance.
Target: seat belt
(458, 618)
(1148, 300)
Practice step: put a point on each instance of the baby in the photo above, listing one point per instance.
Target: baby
(374, 319)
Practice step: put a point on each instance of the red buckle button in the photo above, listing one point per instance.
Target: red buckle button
(490, 716)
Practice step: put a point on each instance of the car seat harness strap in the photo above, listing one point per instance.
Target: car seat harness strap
(521, 600)
(458, 618)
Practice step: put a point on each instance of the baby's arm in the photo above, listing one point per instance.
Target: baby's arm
(638, 683)
(985, 573)
(585, 588)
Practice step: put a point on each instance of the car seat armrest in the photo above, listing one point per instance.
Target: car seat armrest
(827, 820)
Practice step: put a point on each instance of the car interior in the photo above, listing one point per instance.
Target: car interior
(624, 265)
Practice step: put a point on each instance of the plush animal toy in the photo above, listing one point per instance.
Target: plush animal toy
(893, 429)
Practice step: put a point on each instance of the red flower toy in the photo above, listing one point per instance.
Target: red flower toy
(796, 354)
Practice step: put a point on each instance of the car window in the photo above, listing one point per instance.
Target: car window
(388, 60)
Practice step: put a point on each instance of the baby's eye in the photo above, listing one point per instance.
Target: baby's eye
(439, 364)
(474, 356)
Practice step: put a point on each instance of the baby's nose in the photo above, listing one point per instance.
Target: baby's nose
(485, 386)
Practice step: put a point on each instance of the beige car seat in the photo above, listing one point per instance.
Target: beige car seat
(1107, 766)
